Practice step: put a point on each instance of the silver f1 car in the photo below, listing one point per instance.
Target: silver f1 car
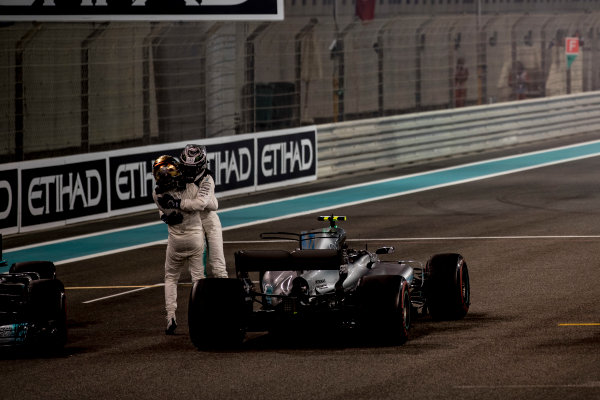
(324, 282)
(32, 306)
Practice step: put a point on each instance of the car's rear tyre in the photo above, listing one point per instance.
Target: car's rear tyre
(385, 308)
(216, 313)
(47, 308)
(448, 287)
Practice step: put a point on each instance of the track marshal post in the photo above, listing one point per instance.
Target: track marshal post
(571, 51)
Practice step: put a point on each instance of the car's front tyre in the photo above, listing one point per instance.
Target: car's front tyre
(448, 287)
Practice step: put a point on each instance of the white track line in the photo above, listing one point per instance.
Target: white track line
(405, 239)
(416, 239)
(124, 293)
(106, 253)
(87, 235)
(566, 386)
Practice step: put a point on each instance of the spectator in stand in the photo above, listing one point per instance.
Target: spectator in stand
(518, 80)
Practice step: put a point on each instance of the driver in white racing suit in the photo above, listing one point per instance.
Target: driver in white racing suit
(179, 206)
(195, 172)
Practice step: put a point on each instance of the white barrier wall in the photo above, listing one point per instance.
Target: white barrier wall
(385, 142)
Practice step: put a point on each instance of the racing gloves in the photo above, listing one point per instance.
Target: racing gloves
(172, 219)
(168, 202)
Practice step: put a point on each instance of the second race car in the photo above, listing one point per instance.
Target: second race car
(32, 306)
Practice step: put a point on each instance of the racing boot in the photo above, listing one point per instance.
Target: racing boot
(171, 326)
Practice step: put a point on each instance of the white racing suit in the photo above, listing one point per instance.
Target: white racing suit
(185, 244)
(213, 230)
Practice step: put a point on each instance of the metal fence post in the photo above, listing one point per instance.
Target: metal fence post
(20, 90)
(249, 95)
(85, 90)
(306, 29)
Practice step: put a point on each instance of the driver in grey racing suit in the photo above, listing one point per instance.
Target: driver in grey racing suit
(179, 206)
(194, 165)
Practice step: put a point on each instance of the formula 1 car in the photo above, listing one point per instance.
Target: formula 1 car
(324, 282)
(32, 306)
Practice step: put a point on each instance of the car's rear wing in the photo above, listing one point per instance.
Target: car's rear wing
(281, 260)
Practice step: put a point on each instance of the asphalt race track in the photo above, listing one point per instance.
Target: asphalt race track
(531, 240)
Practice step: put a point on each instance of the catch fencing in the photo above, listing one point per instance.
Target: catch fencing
(72, 88)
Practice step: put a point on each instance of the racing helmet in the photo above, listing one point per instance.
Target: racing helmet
(193, 161)
(166, 172)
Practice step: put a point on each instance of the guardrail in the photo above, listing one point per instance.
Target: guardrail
(373, 143)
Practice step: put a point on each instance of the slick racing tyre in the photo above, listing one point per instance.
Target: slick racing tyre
(216, 313)
(384, 308)
(47, 309)
(447, 287)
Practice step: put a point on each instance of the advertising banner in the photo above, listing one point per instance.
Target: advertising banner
(141, 10)
(131, 178)
(9, 205)
(52, 192)
(232, 163)
(62, 192)
(290, 157)
(233, 166)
